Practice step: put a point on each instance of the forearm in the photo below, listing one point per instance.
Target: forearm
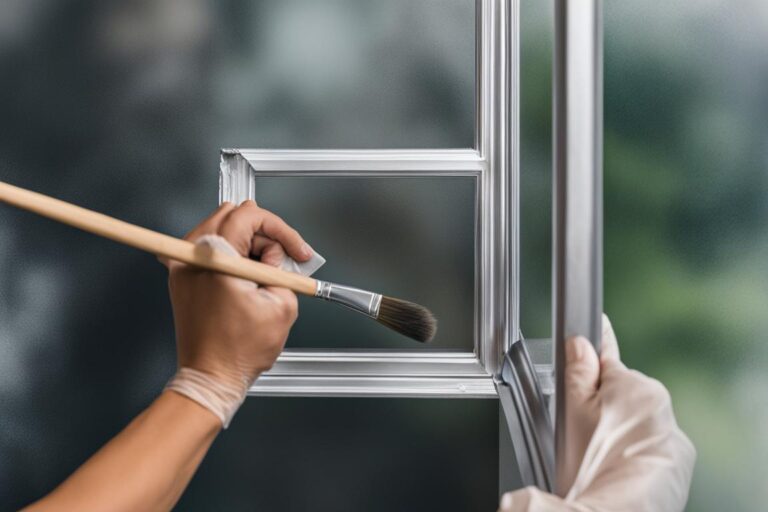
(145, 467)
(227, 333)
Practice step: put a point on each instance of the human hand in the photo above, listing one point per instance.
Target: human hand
(624, 450)
(228, 331)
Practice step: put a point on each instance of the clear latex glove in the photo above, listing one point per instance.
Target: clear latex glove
(625, 451)
(229, 331)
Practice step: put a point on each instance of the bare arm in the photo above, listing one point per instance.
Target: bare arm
(227, 331)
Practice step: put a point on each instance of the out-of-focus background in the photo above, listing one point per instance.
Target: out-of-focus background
(122, 106)
(686, 218)
(353, 222)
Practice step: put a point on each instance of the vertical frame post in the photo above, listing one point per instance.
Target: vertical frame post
(577, 196)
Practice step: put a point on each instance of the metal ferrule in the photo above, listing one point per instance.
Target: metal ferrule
(362, 301)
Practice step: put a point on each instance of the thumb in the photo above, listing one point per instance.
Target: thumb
(609, 347)
(582, 370)
(581, 380)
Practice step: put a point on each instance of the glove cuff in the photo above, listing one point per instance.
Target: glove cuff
(221, 399)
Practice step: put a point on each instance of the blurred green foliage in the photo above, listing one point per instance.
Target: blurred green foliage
(122, 107)
(686, 211)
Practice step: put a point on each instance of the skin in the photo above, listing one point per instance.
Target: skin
(233, 331)
(225, 327)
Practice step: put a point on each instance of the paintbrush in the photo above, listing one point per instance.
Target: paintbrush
(405, 317)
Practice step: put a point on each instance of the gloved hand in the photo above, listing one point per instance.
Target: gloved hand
(228, 330)
(625, 451)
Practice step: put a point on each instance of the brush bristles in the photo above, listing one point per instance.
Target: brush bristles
(407, 318)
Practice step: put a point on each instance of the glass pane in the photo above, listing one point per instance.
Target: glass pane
(536, 168)
(345, 454)
(411, 238)
(347, 73)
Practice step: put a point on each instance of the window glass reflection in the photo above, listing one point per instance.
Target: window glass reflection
(411, 238)
(347, 73)
(352, 454)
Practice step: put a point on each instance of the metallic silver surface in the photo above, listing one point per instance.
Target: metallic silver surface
(527, 418)
(416, 373)
(493, 162)
(577, 227)
(372, 386)
(359, 300)
(496, 367)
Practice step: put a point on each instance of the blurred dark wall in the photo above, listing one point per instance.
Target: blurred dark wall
(122, 106)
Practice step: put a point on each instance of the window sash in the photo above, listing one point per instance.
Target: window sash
(494, 164)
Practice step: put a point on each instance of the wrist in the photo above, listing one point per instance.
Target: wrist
(228, 373)
(222, 397)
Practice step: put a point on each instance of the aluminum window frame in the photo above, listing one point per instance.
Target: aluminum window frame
(493, 162)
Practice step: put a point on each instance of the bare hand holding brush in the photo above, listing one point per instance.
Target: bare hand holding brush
(217, 316)
(404, 317)
(228, 331)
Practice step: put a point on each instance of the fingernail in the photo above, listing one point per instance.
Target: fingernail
(507, 501)
(307, 251)
(574, 349)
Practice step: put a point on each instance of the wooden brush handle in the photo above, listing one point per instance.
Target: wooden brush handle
(154, 242)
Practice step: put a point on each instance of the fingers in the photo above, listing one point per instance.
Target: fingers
(267, 250)
(275, 228)
(284, 299)
(208, 226)
(281, 295)
(609, 348)
(247, 220)
(582, 369)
